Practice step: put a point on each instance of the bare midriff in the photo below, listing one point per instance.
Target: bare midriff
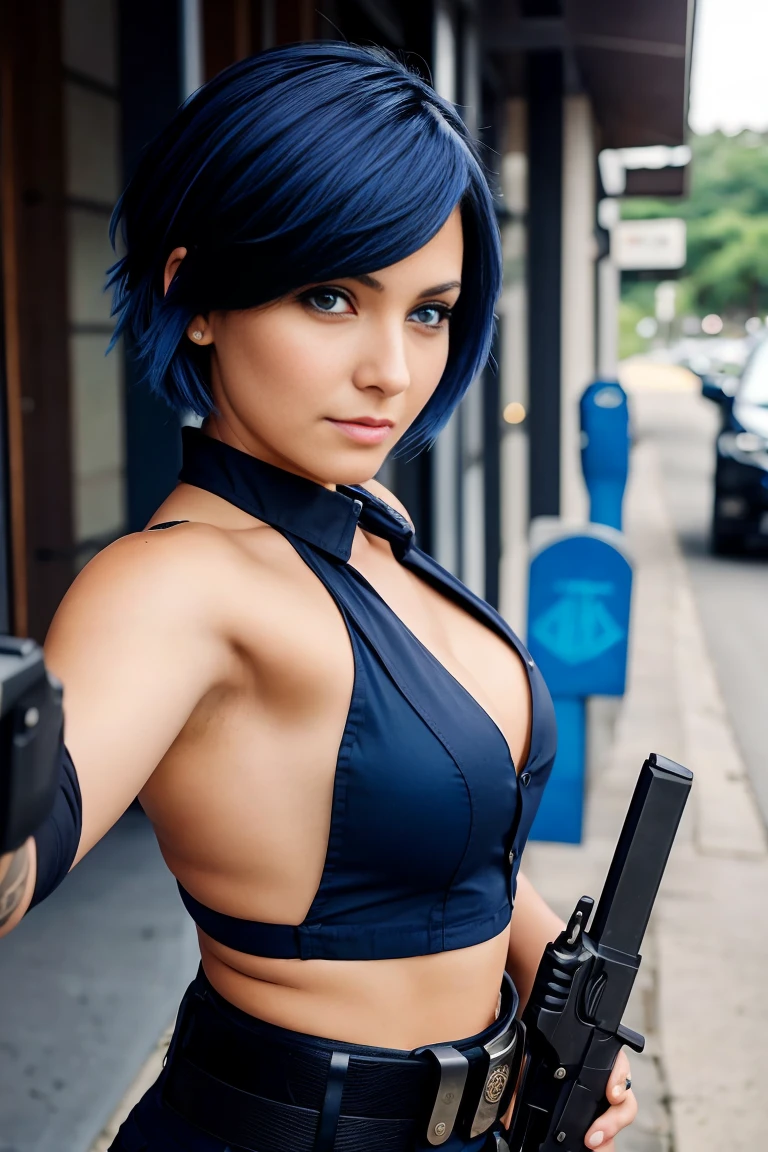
(401, 1003)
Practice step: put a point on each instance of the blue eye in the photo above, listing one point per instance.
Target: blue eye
(326, 300)
(335, 302)
(432, 315)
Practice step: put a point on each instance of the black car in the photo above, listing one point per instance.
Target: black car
(740, 511)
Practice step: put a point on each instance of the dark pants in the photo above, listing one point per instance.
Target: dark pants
(153, 1126)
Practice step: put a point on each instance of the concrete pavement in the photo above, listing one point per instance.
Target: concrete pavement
(87, 981)
(730, 592)
(701, 997)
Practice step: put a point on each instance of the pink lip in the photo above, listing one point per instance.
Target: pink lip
(365, 431)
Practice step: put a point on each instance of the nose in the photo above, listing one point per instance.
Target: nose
(382, 362)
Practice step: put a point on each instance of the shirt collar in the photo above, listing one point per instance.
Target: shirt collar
(323, 518)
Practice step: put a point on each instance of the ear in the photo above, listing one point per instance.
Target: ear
(172, 267)
(199, 331)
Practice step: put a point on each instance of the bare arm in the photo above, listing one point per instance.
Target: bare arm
(17, 882)
(137, 643)
(534, 925)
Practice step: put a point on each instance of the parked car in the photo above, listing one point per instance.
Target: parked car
(740, 506)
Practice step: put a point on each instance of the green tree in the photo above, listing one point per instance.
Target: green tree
(727, 215)
(729, 261)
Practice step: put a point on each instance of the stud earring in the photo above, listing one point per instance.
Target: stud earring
(197, 334)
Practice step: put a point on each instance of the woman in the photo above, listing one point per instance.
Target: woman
(340, 748)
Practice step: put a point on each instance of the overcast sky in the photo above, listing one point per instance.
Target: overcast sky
(729, 80)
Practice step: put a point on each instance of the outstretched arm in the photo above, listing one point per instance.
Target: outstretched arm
(137, 642)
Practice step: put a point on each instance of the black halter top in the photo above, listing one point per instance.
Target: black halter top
(429, 816)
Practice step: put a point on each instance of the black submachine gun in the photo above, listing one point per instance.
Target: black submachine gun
(573, 1017)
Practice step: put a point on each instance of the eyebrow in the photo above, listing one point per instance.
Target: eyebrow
(372, 282)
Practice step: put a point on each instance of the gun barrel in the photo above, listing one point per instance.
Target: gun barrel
(641, 855)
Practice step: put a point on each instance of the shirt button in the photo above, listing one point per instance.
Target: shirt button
(512, 855)
(530, 662)
(525, 779)
(358, 506)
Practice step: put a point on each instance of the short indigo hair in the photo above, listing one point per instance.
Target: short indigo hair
(300, 164)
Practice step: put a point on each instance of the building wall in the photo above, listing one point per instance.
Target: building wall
(465, 504)
(513, 312)
(92, 146)
(446, 454)
(577, 368)
(64, 401)
(472, 526)
(576, 334)
(34, 245)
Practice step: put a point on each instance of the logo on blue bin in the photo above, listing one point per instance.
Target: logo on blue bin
(578, 614)
(579, 625)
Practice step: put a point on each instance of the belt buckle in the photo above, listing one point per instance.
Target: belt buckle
(505, 1054)
(454, 1068)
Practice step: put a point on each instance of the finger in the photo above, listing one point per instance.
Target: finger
(617, 1086)
(606, 1126)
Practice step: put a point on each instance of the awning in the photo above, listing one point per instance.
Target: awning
(632, 57)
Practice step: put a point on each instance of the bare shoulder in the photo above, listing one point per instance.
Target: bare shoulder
(169, 571)
(140, 639)
(192, 579)
(377, 489)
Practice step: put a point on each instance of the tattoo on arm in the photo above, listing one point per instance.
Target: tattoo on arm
(13, 884)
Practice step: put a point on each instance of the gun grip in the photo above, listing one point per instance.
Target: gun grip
(631, 1038)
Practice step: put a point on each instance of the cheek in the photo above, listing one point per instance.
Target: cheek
(428, 361)
(277, 366)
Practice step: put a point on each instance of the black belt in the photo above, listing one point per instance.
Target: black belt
(271, 1092)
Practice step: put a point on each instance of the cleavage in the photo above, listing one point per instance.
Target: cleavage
(386, 575)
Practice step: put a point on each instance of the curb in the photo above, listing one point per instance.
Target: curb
(146, 1077)
(728, 821)
(708, 929)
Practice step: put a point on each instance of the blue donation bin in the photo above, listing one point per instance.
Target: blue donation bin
(578, 630)
(605, 449)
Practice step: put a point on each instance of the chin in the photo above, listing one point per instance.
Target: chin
(353, 466)
(356, 471)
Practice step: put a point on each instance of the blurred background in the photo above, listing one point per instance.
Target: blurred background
(627, 146)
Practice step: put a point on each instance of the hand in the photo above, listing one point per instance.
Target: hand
(622, 1111)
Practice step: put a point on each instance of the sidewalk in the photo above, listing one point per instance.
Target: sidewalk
(700, 997)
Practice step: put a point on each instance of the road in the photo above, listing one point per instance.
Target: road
(731, 594)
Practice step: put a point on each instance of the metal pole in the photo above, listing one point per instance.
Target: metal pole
(545, 194)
